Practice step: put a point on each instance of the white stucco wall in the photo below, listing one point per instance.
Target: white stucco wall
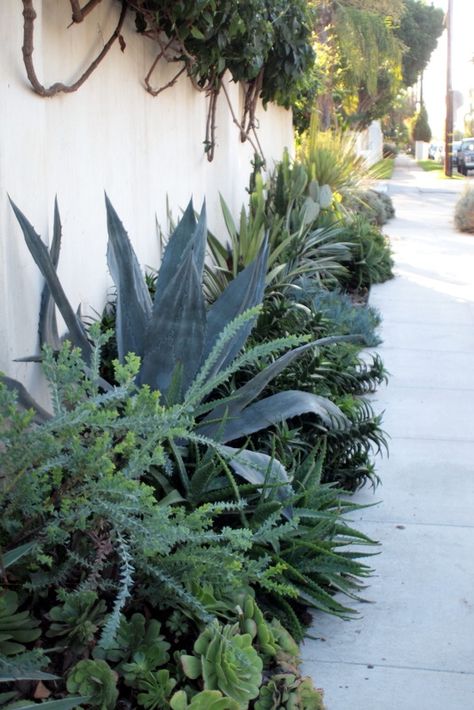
(369, 143)
(111, 134)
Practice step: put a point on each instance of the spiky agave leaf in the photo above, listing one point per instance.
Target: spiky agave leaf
(242, 293)
(246, 394)
(176, 331)
(42, 257)
(274, 409)
(25, 400)
(133, 305)
(48, 327)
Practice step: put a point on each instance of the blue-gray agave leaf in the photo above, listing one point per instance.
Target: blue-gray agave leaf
(242, 293)
(244, 395)
(181, 238)
(260, 469)
(133, 298)
(45, 264)
(48, 327)
(176, 332)
(275, 409)
(25, 400)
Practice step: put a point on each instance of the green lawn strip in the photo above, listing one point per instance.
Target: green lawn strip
(383, 169)
(429, 165)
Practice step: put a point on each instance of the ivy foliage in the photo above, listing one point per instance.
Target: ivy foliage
(266, 38)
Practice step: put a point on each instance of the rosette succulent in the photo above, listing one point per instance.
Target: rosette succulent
(206, 700)
(227, 661)
(97, 681)
(16, 627)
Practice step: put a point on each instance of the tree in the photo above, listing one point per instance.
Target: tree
(357, 59)
(366, 51)
(421, 130)
(420, 27)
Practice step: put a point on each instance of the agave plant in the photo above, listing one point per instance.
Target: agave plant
(186, 349)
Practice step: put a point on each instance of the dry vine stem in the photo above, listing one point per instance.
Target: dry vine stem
(29, 15)
(78, 12)
(172, 50)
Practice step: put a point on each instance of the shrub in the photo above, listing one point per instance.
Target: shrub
(421, 130)
(376, 207)
(372, 259)
(330, 158)
(82, 493)
(464, 211)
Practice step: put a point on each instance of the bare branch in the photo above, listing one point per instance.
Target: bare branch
(29, 15)
(255, 144)
(78, 12)
(172, 82)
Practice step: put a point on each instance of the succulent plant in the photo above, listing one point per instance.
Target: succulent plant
(205, 700)
(227, 661)
(252, 622)
(97, 681)
(78, 618)
(16, 627)
(138, 643)
(287, 691)
(156, 690)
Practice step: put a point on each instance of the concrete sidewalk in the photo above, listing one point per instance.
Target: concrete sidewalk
(413, 647)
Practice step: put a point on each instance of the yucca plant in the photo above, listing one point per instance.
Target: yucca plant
(330, 157)
(285, 212)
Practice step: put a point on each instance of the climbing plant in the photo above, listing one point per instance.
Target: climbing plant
(265, 44)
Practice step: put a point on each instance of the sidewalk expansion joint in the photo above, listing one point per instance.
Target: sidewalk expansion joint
(411, 523)
(380, 349)
(429, 438)
(372, 666)
(395, 386)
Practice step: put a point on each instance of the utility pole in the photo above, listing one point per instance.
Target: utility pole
(448, 138)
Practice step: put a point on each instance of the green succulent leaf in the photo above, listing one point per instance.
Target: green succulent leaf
(64, 704)
(205, 700)
(16, 627)
(181, 238)
(228, 662)
(9, 558)
(96, 680)
(23, 667)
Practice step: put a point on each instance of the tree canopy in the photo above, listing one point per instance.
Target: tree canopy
(420, 27)
(366, 51)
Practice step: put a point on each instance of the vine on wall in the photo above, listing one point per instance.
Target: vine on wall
(265, 44)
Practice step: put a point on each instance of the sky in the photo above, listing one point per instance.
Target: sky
(463, 69)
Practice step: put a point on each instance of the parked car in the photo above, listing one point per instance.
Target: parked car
(466, 156)
(456, 147)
